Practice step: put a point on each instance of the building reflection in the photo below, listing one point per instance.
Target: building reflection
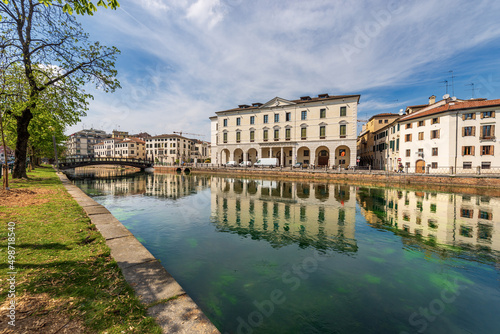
(466, 221)
(285, 213)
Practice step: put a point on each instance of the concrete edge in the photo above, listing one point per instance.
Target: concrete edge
(165, 299)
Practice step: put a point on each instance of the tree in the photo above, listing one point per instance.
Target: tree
(81, 7)
(40, 37)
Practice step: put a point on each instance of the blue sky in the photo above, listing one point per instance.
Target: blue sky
(183, 60)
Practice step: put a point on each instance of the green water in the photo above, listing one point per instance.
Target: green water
(265, 256)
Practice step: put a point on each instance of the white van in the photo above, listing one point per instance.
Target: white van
(246, 164)
(267, 162)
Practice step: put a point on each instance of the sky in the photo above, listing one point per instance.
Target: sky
(183, 60)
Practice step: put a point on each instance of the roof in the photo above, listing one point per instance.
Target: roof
(299, 101)
(168, 136)
(383, 115)
(137, 140)
(453, 106)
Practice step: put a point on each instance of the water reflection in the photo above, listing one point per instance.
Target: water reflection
(465, 221)
(315, 215)
(285, 213)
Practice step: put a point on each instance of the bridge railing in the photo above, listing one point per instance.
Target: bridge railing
(111, 160)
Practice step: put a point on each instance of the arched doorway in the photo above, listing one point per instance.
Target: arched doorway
(322, 156)
(238, 155)
(252, 155)
(224, 156)
(304, 155)
(342, 156)
(420, 166)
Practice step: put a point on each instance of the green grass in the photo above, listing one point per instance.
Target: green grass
(59, 252)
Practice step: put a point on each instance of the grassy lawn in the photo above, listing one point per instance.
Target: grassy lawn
(66, 279)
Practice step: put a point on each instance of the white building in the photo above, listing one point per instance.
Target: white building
(175, 149)
(319, 130)
(450, 136)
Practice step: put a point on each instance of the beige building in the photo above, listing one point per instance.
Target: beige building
(121, 148)
(386, 147)
(175, 149)
(319, 130)
(366, 140)
(81, 144)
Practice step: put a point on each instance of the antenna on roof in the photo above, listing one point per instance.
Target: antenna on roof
(473, 89)
(452, 83)
(446, 84)
(401, 112)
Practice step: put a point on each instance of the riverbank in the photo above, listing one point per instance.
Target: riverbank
(467, 184)
(62, 277)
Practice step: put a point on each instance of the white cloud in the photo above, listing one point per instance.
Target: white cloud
(210, 55)
(154, 6)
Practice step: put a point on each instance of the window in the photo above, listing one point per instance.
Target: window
(487, 150)
(420, 136)
(303, 133)
(287, 134)
(487, 132)
(276, 118)
(408, 126)
(225, 137)
(485, 215)
(306, 153)
(266, 118)
(343, 111)
(408, 137)
(421, 123)
(225, 122)
(467, 116)
(434, 151)
(238, 137)
(435, 134)
(303, 115)
(322, 113)
(265, 135)
(408, 152)
(238, 121)
(386, 121)
(467, 165)
(485, 165)
(434, 165)
(487, 114)
(467, 150)
(288, 116)
(343, 130)
(397, 144)
(252, 136)
(276, 134)
(252, 119)
(322, 131)
(466, 213)
(468, 131)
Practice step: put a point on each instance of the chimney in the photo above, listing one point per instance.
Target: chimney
(432, 99)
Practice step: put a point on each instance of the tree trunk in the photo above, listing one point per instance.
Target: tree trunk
(22, 144)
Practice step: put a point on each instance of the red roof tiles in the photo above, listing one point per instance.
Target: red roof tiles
(453, 106)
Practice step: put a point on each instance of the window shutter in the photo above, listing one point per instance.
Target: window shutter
(438, 133)
(474, 115)
(474, 131)
(492, 114)
(481, 132)
(482, 115)
(463, 117)
(463, 150)
(463, 131)
(493, 131)
(473, 150)
(492, 149)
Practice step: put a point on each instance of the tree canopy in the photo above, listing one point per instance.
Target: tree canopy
(54, 55)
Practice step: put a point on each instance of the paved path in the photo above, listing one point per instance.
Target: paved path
(173, 309)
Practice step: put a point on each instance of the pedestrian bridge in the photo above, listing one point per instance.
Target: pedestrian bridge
(83, 162)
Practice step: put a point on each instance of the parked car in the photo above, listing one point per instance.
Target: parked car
(298, 165)
(231, 164)
(246, 164)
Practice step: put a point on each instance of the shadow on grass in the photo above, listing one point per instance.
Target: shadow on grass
(44, 246)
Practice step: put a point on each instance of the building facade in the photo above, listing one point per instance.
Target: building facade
(175, 149)
(121, 148)
(319, 130)
(451, 136)
(81, 144)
